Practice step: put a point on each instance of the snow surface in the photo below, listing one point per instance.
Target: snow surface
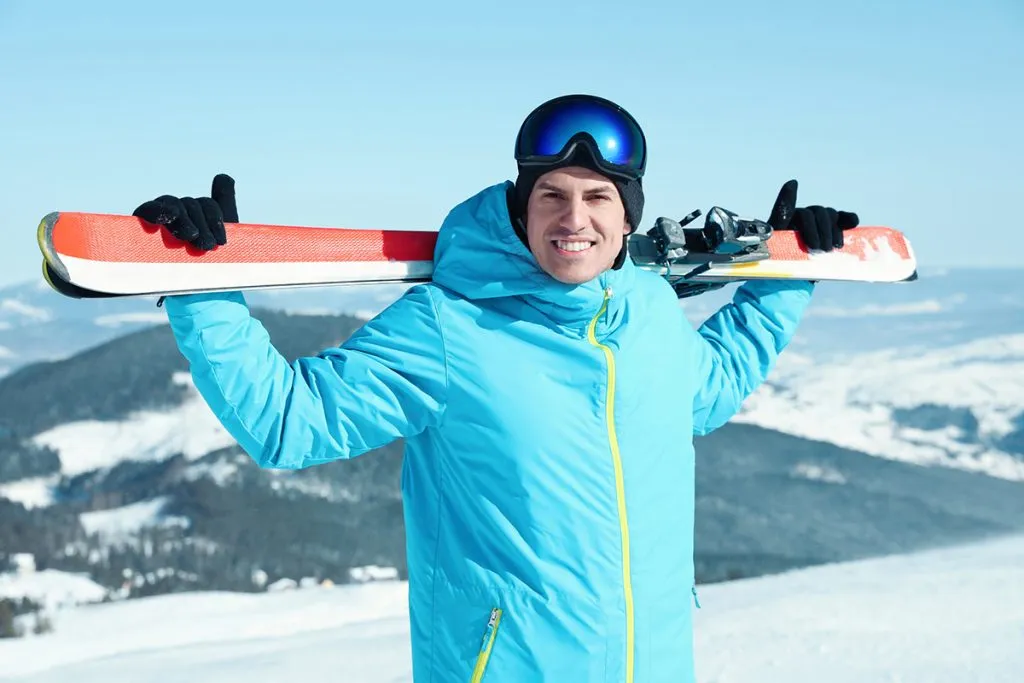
(120, 524)
(851, 403)
(191, 429)
(947, 615)
(951, 615)
(220, 472)
(51, 588)
(32, 492)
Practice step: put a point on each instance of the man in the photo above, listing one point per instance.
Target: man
(546, 389)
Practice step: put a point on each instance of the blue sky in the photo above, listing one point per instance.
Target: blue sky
(387, 114)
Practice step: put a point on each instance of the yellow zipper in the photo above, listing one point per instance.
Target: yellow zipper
(485, 647)
(620, 489)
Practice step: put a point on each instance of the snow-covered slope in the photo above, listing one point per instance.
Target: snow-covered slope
(948, 615)
(190, 429)
(944, 387)
(952, 615)
(957, 406)
(120, 524)
(32, 492)
(929, 372)
(51, 588)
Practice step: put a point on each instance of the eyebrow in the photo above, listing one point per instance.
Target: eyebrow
(545, 185)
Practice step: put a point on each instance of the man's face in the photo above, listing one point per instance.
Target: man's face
(575, 224)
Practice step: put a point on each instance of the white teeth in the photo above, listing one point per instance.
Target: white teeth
(573, 246)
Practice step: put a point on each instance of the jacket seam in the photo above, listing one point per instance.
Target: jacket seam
(444, 355)
(440, 479)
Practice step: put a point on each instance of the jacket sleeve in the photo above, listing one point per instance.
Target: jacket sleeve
(738, 346)
(388, 380)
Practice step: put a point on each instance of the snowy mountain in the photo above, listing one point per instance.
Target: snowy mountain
(929, 372)
(111, 463)
(958, 406)
(943, 308)
(37, 324)
(952, 615)
(894, 421)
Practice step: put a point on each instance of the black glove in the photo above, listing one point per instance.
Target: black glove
(820, 227)
(198, 221)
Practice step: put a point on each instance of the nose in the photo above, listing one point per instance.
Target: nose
(576, 216)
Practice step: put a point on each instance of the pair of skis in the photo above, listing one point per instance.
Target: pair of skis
(93, 255)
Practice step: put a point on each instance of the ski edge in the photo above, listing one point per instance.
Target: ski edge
(907, 274)
(69, 289)
(72, 290)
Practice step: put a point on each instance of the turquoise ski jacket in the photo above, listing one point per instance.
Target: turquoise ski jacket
(548, 478)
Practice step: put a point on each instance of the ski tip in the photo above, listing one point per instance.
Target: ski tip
(44, 231)
(44, 237)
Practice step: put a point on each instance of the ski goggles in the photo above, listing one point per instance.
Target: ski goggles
(551, 132)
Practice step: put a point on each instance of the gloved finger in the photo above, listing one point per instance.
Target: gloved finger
(205, 239)
(835, 233)
(823, 222)
(223, 192)
(169, 212)
(847, 220)
(214, 219)
(782, 212)
(803, 221)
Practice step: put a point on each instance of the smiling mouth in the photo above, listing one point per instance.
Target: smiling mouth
(573, 246)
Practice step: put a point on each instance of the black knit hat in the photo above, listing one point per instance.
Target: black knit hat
(631, 191)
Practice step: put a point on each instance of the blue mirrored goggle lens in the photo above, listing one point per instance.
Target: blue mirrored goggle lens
(619, 140)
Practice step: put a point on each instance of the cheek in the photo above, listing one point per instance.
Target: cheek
(537, 223)
(614, 217)
(614, 227)
(614, 238)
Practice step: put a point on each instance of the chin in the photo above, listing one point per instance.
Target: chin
(574, 269)
(574, 274)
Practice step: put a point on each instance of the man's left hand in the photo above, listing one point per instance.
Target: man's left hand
(820, 227)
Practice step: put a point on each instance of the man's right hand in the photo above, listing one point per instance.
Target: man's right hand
(198, 221)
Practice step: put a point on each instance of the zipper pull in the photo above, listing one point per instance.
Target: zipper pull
(491, 623)
(607, 299)
(696, 600)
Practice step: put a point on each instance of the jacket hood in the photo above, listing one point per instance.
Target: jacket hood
(479, 256)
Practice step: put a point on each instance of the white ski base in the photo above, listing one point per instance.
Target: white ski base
(167, 278)
(117, 278)
(883, 266)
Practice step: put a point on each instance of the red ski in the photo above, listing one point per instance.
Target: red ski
(100, 255)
